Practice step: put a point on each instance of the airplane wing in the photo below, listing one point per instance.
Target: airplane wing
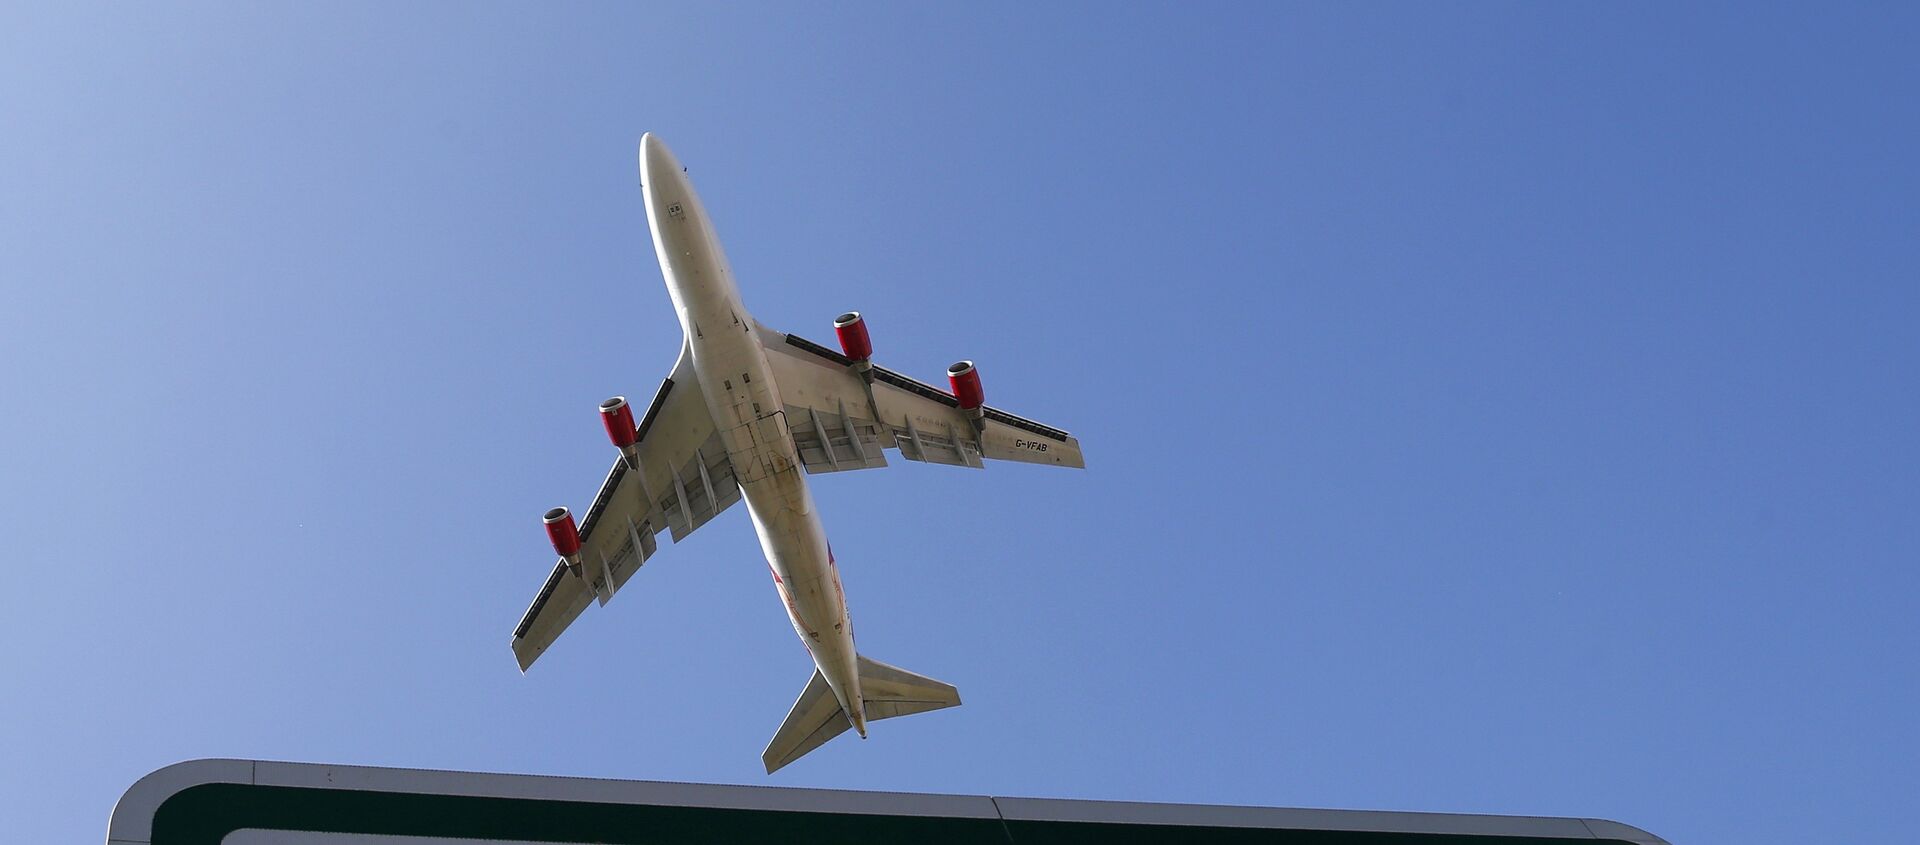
(684, 480)
(841, 422)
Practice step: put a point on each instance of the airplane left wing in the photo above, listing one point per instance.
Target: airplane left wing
(841, 421)
(683, 480)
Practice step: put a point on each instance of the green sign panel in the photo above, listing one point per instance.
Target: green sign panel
(245, 802)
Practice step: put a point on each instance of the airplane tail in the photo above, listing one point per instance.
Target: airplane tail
(817, 716)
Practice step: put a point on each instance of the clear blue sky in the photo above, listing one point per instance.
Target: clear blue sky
(1490, 408)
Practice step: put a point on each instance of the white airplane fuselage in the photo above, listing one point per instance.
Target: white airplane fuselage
(744, 399)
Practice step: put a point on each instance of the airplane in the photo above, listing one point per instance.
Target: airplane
(747, 413)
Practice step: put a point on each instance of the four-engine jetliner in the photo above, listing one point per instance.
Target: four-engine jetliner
(743, 411)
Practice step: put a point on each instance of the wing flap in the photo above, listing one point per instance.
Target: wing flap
(933, 439)
(702, 486)
(833, 442)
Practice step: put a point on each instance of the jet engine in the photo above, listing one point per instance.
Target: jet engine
(565, 536)
(617, 416)
(965, 381)
(852, 331)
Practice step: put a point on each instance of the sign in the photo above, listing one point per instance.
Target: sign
(248, 802)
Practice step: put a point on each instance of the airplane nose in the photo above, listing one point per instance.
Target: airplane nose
(655, 159)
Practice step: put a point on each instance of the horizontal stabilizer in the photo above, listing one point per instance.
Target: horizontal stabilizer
(892, 691)
(815, 718)
(886, 691)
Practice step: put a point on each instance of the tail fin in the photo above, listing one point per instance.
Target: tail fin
(816, 716)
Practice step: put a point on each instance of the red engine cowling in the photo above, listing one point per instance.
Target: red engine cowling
(563, 533)
(618, 417)
(853, 336)
(966, 385)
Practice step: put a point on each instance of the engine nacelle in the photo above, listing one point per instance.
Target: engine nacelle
(565, 536)
(853, 336)
(965, 381)
(617, 415)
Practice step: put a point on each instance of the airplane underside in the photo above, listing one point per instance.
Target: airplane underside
(745, 414)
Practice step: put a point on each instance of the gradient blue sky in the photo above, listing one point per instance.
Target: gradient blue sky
(1490, 408)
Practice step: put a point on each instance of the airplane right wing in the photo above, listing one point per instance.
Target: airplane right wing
(686, 480)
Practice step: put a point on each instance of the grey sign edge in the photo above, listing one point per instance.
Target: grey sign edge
(132, 819)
